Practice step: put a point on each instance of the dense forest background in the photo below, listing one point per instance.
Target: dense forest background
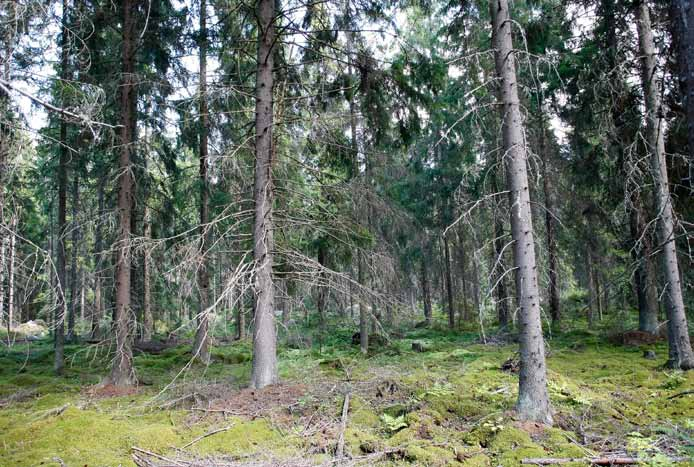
(208, 171)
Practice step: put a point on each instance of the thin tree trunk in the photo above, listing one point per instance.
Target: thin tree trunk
(498, 278)
(201, 347)
(240, 321)
(322, 257)
(645, 276)
(363, 312)
(426, 294)
(98, 311)
(552, 264)
(2, 259)
(674, 302)
(462, 261)
(264, 370)
(122, 372)
(682, 24)
(533, 399)
(592, 293)
(59, 335)
(449, 284)
(147, 317)
(11, 274)
(74, 286)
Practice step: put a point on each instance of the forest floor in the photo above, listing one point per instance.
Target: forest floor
(448, 405)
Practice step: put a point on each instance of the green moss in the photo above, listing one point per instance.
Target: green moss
(512, 444)
(362, 414)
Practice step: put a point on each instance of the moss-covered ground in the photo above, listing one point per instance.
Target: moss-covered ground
(449, 405)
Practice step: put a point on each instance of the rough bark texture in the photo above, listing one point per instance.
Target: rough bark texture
(682, 24)
(201, 347)
(59, 320)
(363, 312)
(645, 276)
(11, 274)
(98, 311)
(551, 242)
(426, 294)
(74, 252)
(462, 266)
(147, 317)
(533, 398)
(264, 371)
(674, 302)
(449, 284)
(122, 373)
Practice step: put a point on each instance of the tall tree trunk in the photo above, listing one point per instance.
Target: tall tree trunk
(663, 204)
(462, 262)
(98, 310)
(533, 399)
(122, 372)
(682, 23)
(592, 292)
(201, 347)
(11, 274)
(449, 284)
(645, 277)
(3, 238)
(426, 294)
(59, 334)
(499, 278)
(551, 242)
(74, 251)
(322, 258)
(147, 318)
(363, 312)
(264, 371)
(240, 320)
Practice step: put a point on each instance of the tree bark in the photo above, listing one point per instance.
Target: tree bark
(147, 317)
(449, 284)
(462, 262)
(98, 310)
(655, 129)
(11, 274)
(682, 23)
(74, 286)
(499, 262)
(122, 372)
(201, 347)
(645, 276)
(264, 370)
(426, 294)
(363, 312)
(533, 399)
(59, 321)
(551, 242)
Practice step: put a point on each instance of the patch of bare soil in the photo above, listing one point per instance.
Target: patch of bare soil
(257, 402)
(104, 391)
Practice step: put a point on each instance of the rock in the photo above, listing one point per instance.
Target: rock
(649, 355)
(32, 330)
(419, 347)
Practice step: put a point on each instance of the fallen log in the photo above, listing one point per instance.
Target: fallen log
(594, 460)
(340, 450)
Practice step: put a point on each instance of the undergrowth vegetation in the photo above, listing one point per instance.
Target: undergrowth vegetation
(448, 405)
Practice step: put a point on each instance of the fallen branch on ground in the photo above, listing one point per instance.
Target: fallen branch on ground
(213, 432)
(339, 452)
(680, 394)
(594, 460)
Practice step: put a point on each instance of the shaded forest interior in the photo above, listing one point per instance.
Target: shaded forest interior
(298, 233)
